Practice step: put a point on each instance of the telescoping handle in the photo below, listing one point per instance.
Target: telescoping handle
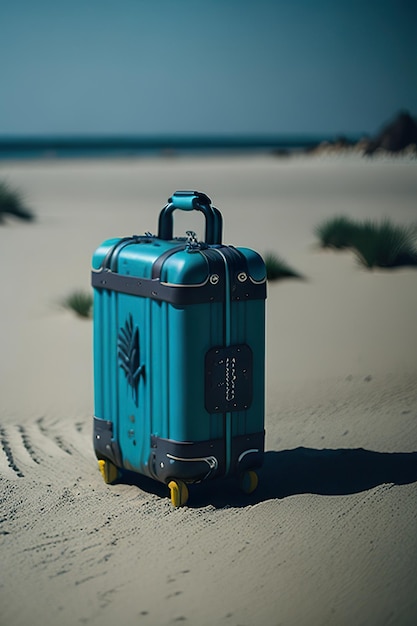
(191, 201)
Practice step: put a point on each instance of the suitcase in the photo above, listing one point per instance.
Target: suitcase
(179, 355)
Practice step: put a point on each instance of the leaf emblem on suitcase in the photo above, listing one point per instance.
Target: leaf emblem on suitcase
(128, 354)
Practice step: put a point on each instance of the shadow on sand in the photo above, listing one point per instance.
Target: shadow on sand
(304, 470)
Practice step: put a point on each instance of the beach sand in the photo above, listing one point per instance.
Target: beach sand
(330, 535)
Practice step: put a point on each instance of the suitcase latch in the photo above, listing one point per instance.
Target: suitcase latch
(193, 245)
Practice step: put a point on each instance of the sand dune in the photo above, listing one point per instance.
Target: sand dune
(330, 536)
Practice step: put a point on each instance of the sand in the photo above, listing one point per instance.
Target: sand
(330, 536)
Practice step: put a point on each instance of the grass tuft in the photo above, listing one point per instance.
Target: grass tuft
(336, 232)
(277, 268)
(11, 203)
(382, 244)
(385, 244)
(81, 302)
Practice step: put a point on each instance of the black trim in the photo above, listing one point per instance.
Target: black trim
(195, 461)
(242, 289)
(237, 267)
(247, 452)
(186, 460)
(111, 257)
(105, 446)
(157, 266)
(154, 289)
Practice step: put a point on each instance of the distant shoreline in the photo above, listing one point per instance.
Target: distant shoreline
(114, 146)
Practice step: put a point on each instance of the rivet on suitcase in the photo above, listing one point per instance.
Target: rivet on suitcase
(179, 355)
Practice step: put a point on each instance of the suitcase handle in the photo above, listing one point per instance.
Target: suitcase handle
(191, 201)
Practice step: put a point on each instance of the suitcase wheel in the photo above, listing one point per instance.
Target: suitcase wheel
(179, 492)
(249, 481)
(109, 471)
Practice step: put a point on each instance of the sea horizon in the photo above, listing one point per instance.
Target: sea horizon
(108, 146)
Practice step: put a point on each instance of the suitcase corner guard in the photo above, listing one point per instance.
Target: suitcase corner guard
(247, 452)
(105, 446)
(197, 461)
(186, 460)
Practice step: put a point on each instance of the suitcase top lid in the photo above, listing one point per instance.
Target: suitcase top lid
(161, 267)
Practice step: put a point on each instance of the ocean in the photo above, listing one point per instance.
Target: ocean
(155, 146)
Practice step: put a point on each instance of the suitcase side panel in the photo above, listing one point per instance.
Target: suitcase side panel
(105, 377)
(248, 327)
(237, 435)
(192, 331)
(104, 355)
(169, 399)
(245, 325)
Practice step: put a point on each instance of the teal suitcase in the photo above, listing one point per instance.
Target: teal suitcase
(179, 354)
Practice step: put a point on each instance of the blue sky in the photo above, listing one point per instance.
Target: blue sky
(123, 67)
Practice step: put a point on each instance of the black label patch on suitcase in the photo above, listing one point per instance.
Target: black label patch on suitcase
(228, 384)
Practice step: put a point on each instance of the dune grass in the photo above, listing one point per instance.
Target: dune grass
(277, 268)
(81, 302)
(336, 232)
(386, 244)
(375, 244)
(11, 203)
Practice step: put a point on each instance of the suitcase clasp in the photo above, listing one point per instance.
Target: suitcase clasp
(193, 245)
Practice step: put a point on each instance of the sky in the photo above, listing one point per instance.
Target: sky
(205, 67)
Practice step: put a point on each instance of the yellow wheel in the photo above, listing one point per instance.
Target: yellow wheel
(109, 471)
(179, 492)
(249, 481)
